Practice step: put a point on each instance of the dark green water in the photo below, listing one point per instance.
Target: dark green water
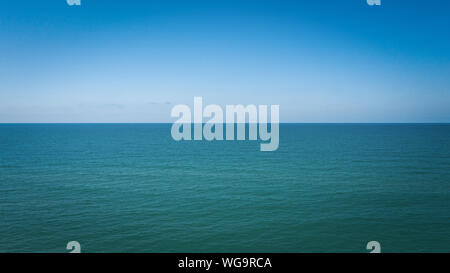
(131, 188)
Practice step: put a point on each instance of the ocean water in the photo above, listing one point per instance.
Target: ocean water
(132, 188)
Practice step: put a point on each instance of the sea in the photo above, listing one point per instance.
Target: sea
(133, 188)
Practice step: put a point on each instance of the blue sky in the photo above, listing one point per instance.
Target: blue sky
(131, 61)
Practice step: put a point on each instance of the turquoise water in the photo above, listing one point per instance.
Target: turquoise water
(131, 188)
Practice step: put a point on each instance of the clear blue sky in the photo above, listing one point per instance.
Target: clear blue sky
(131, 61)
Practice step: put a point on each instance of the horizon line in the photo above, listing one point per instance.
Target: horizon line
(11, 123)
